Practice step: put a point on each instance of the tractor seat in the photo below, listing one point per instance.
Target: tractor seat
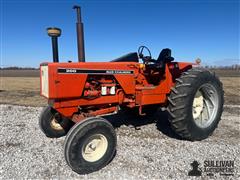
(165, 56)
(159, 64)
(130, 57)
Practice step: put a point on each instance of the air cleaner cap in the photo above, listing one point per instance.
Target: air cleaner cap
(54, 32)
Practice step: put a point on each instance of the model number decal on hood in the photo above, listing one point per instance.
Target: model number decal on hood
(91, 71)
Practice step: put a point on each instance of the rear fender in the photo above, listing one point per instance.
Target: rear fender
(177, 68)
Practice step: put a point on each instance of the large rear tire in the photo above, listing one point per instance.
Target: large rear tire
(90, 145)
(196, 104)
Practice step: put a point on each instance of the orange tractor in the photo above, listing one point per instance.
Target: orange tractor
(80, 93)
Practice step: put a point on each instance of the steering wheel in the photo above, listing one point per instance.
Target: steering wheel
(145, 59)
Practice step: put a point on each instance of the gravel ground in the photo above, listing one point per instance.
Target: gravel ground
(150, 151)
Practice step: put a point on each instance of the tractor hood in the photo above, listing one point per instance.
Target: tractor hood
(67, 80)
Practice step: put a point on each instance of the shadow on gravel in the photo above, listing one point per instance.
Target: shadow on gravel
(164, 125)
(130, 117)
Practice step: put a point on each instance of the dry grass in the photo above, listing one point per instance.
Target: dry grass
(26, 90)
(21, 91)
(231, 86)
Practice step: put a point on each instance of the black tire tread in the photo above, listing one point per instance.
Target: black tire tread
(176, 101)
(44, 123)
(74, 131)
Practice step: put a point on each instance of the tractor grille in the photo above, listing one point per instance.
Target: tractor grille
(44, 81)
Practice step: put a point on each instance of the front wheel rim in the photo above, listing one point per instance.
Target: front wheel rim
(205, 105)
(95, 147)
(55, 125)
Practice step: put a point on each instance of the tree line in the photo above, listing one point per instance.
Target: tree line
(18, 68)
(232, 67)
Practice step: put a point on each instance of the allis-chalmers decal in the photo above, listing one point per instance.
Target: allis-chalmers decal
(92, 71)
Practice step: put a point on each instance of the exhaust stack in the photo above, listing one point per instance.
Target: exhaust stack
(54, 33)
(80, 35)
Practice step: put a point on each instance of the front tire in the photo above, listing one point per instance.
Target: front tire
(50, 126)
(90, 145)
(196, 104)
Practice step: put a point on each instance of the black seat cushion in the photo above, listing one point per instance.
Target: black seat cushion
(165, 56)
(130, 57)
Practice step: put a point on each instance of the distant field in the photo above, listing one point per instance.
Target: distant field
(25, 90)
(19, 73)
(226, 73)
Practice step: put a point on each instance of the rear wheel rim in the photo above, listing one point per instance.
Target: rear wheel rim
(205, 105)
(95, 147)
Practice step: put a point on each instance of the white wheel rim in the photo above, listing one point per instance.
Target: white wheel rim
(95, 148)
(197, 105)
(205, 105)
(55, 125)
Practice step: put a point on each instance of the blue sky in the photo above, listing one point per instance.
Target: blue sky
(205, 29)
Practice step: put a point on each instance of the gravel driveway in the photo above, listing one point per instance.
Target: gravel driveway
(150, 151)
